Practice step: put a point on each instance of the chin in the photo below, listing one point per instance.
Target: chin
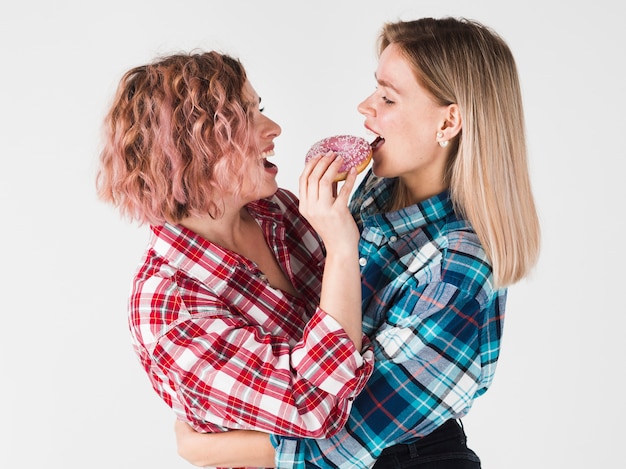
(268, 191)
(379, 171)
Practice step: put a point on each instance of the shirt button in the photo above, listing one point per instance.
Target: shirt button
(393, 239)
(362, 261)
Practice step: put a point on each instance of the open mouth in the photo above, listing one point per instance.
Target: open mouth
(267, 153)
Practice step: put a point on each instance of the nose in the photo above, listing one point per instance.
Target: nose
(271, 129)
(365, 107)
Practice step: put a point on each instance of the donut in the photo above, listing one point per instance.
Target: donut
(355, 151)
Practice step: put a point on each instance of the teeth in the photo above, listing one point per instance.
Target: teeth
(265, 154)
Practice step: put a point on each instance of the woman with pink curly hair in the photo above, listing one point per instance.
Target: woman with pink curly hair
(228, 312)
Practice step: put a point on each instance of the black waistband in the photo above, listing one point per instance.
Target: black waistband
(450, 429)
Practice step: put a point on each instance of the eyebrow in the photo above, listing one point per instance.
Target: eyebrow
(386, 84)
(252, 103)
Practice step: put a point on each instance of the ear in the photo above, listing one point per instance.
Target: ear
(453, 122)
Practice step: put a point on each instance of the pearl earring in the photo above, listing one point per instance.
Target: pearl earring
(442, 143)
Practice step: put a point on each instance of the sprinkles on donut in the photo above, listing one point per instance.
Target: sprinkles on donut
(355, 151)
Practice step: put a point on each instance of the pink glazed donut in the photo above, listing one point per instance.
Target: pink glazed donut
(355, 151)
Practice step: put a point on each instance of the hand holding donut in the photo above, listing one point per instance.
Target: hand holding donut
(356, 152)
(326, 210)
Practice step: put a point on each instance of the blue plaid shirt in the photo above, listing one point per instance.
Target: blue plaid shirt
(436, 322)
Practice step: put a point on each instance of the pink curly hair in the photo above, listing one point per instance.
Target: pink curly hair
(176, 138)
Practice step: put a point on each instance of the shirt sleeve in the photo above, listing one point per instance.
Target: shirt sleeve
(428, 369)
(219, 372)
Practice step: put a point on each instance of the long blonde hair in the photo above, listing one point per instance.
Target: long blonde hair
(464, 62)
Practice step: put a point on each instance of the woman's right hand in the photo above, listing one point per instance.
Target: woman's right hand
(325, 209)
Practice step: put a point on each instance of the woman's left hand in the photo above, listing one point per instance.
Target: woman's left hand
(235, 448)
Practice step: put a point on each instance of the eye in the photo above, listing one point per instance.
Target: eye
(261, 109)
(387, 101)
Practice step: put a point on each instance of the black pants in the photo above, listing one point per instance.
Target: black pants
(444, 448)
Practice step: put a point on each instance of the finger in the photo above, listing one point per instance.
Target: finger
(306, 181)
(306, 172)
(328, 168)
(310, 164)
(325, 181)
(310, 180)
(346, 189)
(321, 176)
(323, 164)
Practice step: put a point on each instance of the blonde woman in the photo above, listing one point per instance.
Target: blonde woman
(447, 222)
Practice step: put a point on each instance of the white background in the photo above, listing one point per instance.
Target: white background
(73, 395)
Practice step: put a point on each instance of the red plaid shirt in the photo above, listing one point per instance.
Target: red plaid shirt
(226, 350)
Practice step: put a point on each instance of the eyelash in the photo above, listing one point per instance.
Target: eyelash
(385, 99)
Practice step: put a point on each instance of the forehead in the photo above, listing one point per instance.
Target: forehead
(394, 71)
(250, 96)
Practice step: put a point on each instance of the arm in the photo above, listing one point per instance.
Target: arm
(237, 448)
(330, 217)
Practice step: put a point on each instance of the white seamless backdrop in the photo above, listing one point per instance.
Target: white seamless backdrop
(72, 393)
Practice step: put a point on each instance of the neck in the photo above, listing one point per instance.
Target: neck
(228, 231)
(406, 194)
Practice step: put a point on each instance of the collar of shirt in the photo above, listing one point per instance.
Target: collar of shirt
(378, 226)
(197, 257)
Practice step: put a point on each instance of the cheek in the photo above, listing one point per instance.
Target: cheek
(420, 138)
(402, 126)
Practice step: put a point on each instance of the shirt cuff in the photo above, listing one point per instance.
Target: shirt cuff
(328, 359)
